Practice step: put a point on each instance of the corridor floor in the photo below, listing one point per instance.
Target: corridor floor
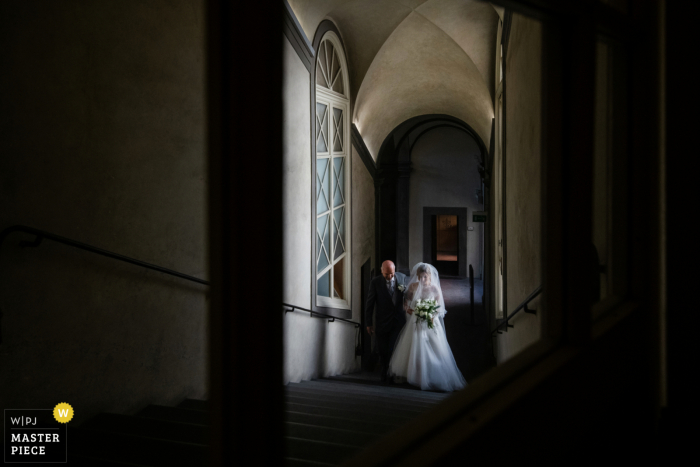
(469, 338)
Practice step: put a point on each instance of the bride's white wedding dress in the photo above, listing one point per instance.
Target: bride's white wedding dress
(422, 355)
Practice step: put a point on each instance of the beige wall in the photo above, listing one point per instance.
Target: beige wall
(314, 347)
(523, 182)
(297, 180)
(444, 173)
(362, 227)
(102, 140)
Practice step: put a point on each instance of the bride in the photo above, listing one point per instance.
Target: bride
(422, 355)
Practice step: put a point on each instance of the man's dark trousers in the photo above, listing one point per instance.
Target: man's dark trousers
(386, 342)
(390, 315)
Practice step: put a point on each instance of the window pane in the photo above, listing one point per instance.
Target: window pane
(339, 232)
(327, 56)
(339, 279)
(324, 289)
(339, 247)
(339, 217)
(323, 186)
(338, 133)
(321, 70)
(338, 181)
(337, 77)
(321, 128)
(323, 241)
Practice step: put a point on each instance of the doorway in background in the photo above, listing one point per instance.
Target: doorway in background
(445, 244)
(445, 240)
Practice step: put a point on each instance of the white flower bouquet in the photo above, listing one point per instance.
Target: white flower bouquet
(426, 310)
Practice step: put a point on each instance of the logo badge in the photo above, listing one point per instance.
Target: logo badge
(63, 412)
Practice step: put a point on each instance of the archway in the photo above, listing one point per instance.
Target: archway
(392, 184)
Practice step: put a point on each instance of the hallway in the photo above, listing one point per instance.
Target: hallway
(469, 339)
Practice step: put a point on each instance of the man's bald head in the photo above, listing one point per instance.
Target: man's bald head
(388, 270)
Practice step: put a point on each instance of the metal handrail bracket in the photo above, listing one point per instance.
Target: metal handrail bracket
(523, 307)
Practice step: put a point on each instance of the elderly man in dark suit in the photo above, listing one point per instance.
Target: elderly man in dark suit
(386, 292)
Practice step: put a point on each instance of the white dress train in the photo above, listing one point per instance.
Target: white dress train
(424, 357)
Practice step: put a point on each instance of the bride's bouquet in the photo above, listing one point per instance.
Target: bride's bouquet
(426, 310)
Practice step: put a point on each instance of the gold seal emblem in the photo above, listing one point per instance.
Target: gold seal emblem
(63, 412)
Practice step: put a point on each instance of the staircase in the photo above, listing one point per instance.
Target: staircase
(327, 421)
(157, 435)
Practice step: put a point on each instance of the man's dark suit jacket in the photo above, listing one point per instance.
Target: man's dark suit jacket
(389, 315)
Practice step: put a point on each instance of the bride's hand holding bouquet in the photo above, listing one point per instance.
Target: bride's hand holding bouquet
(426, 310)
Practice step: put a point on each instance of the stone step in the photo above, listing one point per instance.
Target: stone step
(194, 404)
(400, 408)
(367, 400)
(291, 462)
(326, 423)
(375, 428)
(374, 389)
(318, 451)
(138, 450)
(175, 414)
(140, 426)
(331, 435)
(350, 414)
(97, 462)
(358, 395)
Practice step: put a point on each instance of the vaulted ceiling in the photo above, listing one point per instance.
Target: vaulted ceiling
(412, 57)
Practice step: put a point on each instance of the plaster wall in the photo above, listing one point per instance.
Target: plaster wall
(297, 180)
(420, 70)
(103, 141)
(523, 202)
(444, 173)
(314, 347)
(362, 228)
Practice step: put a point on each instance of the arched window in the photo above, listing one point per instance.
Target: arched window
(332, 175)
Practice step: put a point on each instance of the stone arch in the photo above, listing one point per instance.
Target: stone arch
(393, 179)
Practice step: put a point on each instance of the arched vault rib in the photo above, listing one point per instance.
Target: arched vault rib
(367, 26)
(420, 70)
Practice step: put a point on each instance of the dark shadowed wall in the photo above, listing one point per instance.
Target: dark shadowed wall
(102, 140)
(523, 202)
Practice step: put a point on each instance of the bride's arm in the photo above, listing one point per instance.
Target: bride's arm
(408, 296)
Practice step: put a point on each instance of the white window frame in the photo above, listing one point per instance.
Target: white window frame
(337, 100)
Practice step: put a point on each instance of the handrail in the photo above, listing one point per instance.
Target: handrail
(41, 235)
(522, 306)
(330, 318)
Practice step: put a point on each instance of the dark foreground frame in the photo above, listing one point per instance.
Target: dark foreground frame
(245, 347)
